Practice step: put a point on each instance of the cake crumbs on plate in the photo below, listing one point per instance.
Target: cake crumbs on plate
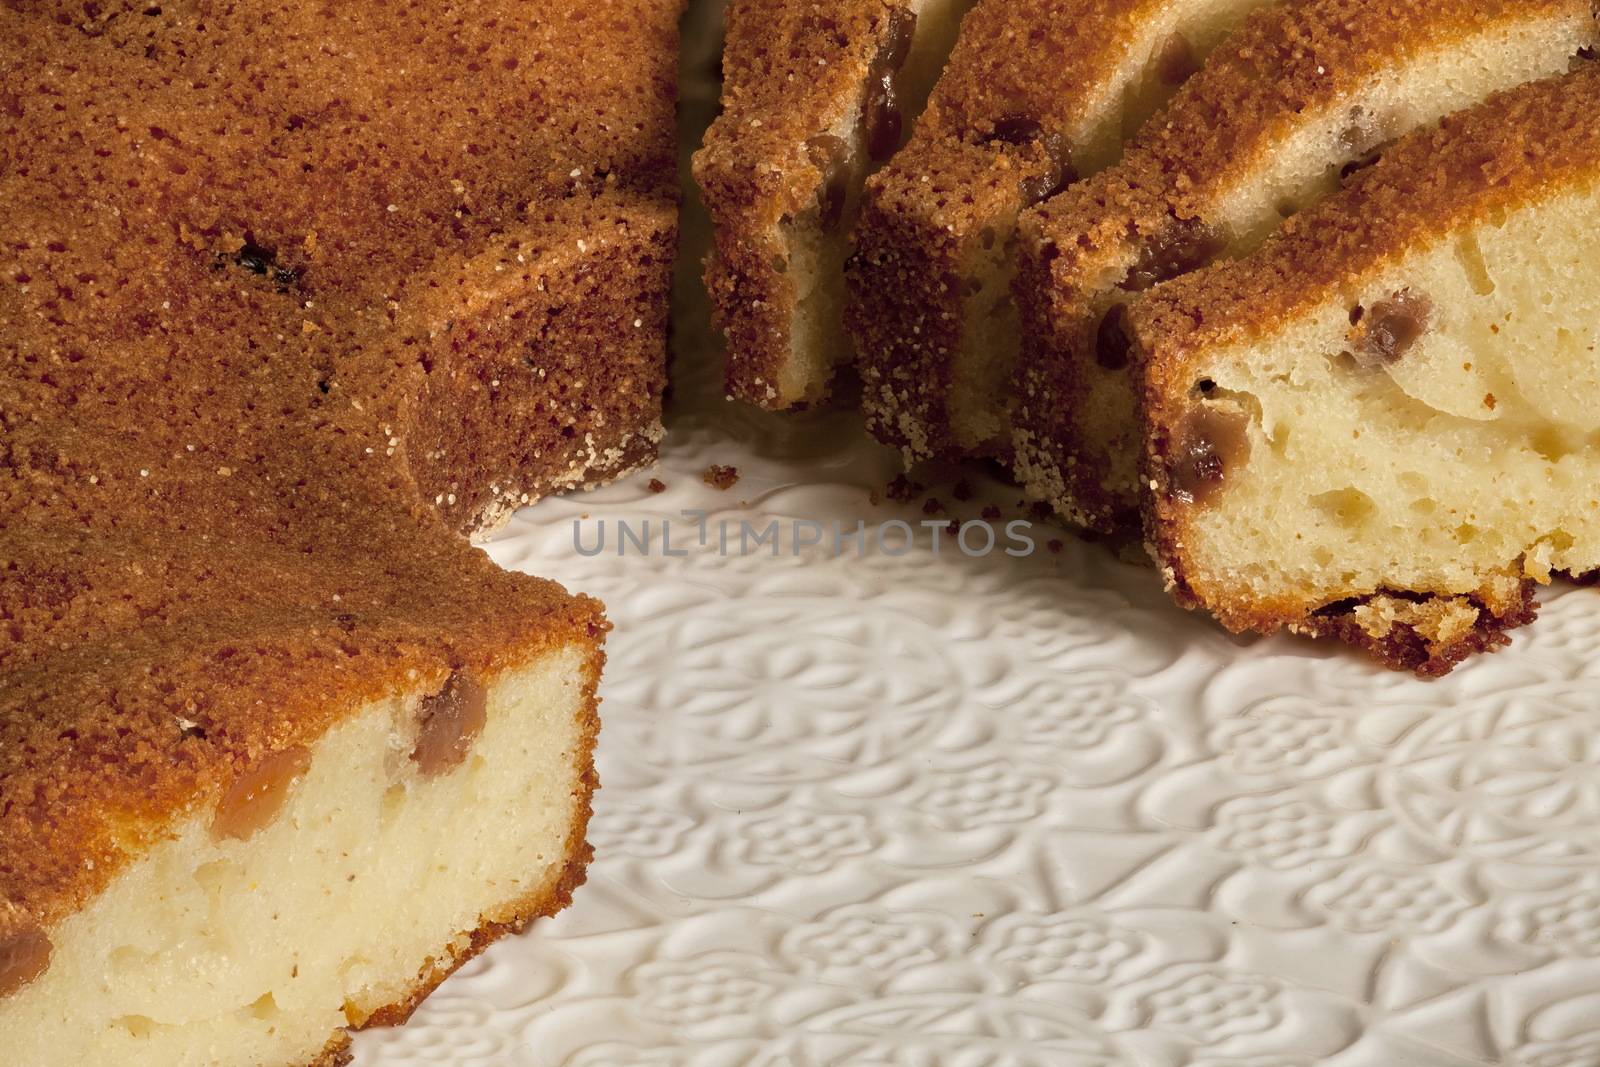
(656, 485)
(721, 477)
(903, 489)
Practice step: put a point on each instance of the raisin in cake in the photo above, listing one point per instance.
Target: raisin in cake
(815, 96)
(291, 296)
(1299, 96)
(1381, 425)
(1036, 93)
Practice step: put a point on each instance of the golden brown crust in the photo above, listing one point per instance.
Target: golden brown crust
(1023, 74)
(1514, 150)
(1283, 64)
(366, 199)
(791, 70)
(1407, 645)
(337, 1054)
(225, 250)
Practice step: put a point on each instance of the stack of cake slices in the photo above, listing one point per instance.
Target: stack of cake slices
(1091, 176)
(292, 297)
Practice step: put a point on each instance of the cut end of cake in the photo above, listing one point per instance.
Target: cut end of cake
(328, 886)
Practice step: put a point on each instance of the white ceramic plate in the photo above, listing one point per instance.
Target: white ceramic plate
(952, 811)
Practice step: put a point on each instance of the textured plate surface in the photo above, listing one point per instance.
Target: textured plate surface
(948, 811)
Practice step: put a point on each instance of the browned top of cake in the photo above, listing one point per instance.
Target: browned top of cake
(216, 222)
(789, 66)
(1512, 150)
(1281, 64)
(1017, 88)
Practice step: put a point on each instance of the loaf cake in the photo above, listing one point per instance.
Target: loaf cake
(816, 95)
(1036, 94)
(1301, 95)
(1381, 424)
(291, 297)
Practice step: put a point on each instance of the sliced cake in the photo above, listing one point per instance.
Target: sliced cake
(816, 95)
(254, 794)
(291, 296)
(1382, 424)
(1036, 94)
(1297, 99)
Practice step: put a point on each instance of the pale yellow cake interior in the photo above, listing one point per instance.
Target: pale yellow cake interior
(1471, 459)
(207, 953)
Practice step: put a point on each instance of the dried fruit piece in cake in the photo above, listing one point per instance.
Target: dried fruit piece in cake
(815, 97)
(1296, 101)
(1381, 425)
(1036, 94)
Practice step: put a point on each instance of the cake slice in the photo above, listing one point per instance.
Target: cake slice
(1037, 93)
(816, 95)
(1300, 96)
(1382, 426)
